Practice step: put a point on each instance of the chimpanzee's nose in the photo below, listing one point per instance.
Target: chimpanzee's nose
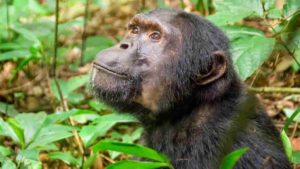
(125, 45)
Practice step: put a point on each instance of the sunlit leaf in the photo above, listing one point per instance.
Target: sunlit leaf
(230, 159)
(250, 53)
(15, 54)
(230, 11)
(291, 7)
(66, 157)
(138, 165)
(286, 144)
(102, 124)
(6, 130)
(30, 122)
(296, 157)
(8, 109)
(132, 149)
(51, 134)
(5, 151)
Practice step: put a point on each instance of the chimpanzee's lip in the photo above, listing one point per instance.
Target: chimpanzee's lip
(107, 70)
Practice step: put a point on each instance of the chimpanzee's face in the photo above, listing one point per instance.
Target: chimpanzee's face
(164, 54)
(134, 69)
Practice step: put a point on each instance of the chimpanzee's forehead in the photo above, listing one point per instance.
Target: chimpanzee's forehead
(160, 18)
(163, 15)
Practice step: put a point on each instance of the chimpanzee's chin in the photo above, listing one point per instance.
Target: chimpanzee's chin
(109, 88)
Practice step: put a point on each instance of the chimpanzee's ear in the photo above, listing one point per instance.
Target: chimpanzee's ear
(217, 70)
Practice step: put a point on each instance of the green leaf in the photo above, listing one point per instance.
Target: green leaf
(293, 115)
(9, 164)
(51, 134)
(95, 44)
(230, 11)
(5, 151)
(161, 4)
(230, 159)
(138, 165)
(6, 130)
(286, 144)
(29, 158)
(65, 157)
(291, 7)
(102, 125)
(32, 154)
(291, 37)
(15, 54)
(132, 149)
(84, 118)
(18, 130)
(98, 105)
(67, 87)
(250, 53)
(8, 109)
(30, 122)
(296, 157)
(90, 161)
(27, 34)
(11, 46)
(236, 32)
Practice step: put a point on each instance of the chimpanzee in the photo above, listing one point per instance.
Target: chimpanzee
(174, 72)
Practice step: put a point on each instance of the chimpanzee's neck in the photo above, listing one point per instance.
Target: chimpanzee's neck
(198, 106)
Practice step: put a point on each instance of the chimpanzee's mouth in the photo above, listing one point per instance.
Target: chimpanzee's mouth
(107, 70)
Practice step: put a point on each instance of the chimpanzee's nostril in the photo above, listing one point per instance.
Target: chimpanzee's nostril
(124, 46)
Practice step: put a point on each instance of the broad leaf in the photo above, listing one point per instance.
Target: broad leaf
(291, 7)
(230, 11)
(8, 109)
(101, 125)
(15, 54)
(138, 165)
(51, 134)
(18, 130)
(66, 157)
(30, 122)
(296, 157)
(5, 151)
(250, 53)
(7, 130)
(236, 32)
(67, 87)
(230, 160)
(132, 149)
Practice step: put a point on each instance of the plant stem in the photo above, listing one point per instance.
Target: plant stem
(293, 90)
(83, 44)
(55, 39)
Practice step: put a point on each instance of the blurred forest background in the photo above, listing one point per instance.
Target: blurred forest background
(49, 118)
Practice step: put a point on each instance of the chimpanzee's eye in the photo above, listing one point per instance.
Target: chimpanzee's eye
(135, 30)
(155, 35)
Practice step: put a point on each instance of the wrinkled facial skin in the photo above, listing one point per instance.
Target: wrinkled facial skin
(131, 71)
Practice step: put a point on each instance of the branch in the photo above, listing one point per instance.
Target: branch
(292, 90)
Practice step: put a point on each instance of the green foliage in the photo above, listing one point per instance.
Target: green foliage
(293, 115)
(286, 144)
(102, 124)
(230, 159)
(138, 165)
(296, 157)
(67, 88)
(250, 47)
(66, 157)
(136, 150)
